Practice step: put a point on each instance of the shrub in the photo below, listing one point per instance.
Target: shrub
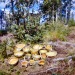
(55, 32)
(32, 31)
(32, 34)
(3, 53)
(71, 23)
(18, 31)
(3, 32)
(35, 33)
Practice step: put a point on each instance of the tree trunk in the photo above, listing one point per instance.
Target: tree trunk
(18, 21)
(56, 16)
(12, 8)
(69, 9)
(24, 24)
(66, 16)
(53, 14)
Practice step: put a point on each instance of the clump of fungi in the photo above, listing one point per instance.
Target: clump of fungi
(31, 55)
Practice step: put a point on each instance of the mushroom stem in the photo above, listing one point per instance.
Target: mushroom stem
(51, 47)
(41, 55)
(24, 58)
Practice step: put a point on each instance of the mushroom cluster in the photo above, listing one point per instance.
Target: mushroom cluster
(31, 55)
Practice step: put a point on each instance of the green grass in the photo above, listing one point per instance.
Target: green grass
(3, 53)
(4, 73)
(56, 32)
(71, 23)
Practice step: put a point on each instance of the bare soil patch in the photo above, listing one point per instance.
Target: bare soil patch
(60, 67)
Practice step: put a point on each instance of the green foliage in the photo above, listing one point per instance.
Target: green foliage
(6, 45)
(2, 32)
(18, 31)
(18, 73)
(22, 10)
(32, 34)
(10, 45)
(41, 33)
(3, 53)
(71, 23)
(55, 32)
(4, 73)
(50, 5)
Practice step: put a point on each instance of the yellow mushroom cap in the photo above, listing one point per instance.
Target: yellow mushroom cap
(19, 53)
(32, 62)
(26, 49)
(34, 51)
(36, 57)
(18, 49)
(28, 54)
(15, 51)
(48, 47)
(52, 53)
(37, 47)
(40, 46)
(41, 62)
(24, 63)
(20, 46)
(13, 60)
(43, 51)
(43, 56)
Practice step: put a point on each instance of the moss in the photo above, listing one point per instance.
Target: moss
(18, 73)
(4, 73)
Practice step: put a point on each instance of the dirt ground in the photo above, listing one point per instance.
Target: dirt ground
(59, 65)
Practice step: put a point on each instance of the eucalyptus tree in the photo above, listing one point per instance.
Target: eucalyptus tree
(50, 7)
(66, 8)
(17, 8)
(24, 7)
(12, 9)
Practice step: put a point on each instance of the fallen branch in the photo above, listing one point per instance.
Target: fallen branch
(62, 59)
(49, 69)
(44, 71)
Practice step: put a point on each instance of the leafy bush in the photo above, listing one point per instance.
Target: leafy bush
(3, 53)
(55, 32)
(3, 32)
(40, 33)
(33, 33)
(18, 31)
(5, 46)
(71, 23)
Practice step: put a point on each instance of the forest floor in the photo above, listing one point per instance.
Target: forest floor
(62, 64)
